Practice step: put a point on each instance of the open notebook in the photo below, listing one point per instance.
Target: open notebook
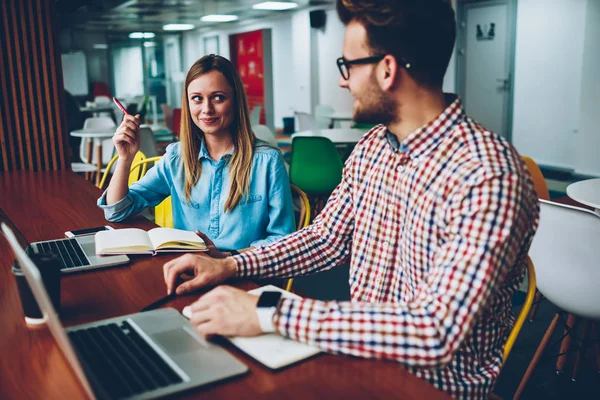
(272, 350)
(138, 241)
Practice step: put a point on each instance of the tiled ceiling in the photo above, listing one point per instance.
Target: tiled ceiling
(118, 16)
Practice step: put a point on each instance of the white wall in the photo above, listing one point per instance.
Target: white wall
(330, 43)
(129, 71)
(301, 76)
(587, 140)
(548, 78)
(96, 59)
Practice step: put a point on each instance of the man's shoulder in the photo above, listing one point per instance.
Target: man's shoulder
(482, 150)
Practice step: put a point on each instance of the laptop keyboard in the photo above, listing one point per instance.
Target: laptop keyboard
(69, 250)
(121, 360)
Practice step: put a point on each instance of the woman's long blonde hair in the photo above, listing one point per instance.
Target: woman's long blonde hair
(241, 132)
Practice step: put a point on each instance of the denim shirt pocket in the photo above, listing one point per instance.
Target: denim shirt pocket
(253, 198)
(190, 204)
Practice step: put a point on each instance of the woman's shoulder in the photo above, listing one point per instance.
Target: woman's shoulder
(263, 149)
(173, 151)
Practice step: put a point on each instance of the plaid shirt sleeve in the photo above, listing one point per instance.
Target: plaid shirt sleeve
(486, 222)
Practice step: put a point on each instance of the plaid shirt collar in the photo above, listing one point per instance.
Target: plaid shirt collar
(427, 138)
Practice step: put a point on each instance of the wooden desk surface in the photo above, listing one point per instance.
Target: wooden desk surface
(43, 205)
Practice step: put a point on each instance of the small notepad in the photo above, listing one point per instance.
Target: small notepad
(272, 350)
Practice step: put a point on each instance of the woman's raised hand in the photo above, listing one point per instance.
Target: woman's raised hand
(127, 137)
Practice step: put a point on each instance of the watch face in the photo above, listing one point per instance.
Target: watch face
(269, 299)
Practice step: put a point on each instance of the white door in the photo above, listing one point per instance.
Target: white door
(485, 64)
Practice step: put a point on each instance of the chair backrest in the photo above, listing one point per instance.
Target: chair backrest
(98, 122)
(176, 121)
(168, 115)
(163, 212)
(303, 217)
(263, 132)
(101, 100)
(306, 122)
(541, 187)
(100, 89)
(512, 337)
(566, 255)
(323, 113)
(134, 173)
(107, 148)
(316, 165)
(255, 115)
(148, 142)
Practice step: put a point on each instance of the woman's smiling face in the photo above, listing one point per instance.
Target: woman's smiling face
(211, 103)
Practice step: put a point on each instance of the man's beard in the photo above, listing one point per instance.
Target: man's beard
(374, 106)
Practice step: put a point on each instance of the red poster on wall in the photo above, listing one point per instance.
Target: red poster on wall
(247, 54)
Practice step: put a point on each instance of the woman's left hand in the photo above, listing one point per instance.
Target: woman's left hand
(212, 249)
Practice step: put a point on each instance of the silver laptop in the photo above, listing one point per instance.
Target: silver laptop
(77, 253)
(137, 356)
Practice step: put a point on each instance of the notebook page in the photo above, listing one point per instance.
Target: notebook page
(271, 349)
(176, 238)
(122, 240)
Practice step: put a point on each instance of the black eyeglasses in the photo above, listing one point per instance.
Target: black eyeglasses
(344, 65)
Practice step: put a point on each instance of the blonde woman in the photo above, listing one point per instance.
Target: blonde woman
(223, 181)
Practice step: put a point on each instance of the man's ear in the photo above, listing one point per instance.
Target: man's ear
(388, 74)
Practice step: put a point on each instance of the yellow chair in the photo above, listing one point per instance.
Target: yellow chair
(512, 337)
(303, 220)
(134, 175)
(163, 213)
(539, 182)
(541, 188)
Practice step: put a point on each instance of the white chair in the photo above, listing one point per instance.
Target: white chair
(102, 100)
(306, 122)
(323, 113)
(107, 145)
(148, 142)
(263, 132)
(566, 254)
(255, 115)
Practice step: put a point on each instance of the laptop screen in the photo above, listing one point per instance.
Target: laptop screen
(32, 274)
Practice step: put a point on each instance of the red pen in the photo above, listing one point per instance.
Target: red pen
(121, 106)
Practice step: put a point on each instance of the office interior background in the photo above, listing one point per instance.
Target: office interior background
(545, 91)
(552, 93)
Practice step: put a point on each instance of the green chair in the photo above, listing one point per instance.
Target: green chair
(316, 168)
(316, 165)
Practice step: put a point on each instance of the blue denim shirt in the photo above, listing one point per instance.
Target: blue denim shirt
(262, 216)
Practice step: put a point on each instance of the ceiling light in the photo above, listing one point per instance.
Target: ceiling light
(219, 18)
(178, 27)
(149, 44)
(100, 46)
(275, 5)
(141, 35)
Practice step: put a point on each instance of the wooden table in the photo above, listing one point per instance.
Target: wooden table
(43, 205)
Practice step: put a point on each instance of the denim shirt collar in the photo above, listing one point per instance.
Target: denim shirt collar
(204, 152)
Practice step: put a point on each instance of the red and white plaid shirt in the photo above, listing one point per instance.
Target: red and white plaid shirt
(438, 229)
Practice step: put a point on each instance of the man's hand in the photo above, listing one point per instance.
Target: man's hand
(206, 271)
(226, 311)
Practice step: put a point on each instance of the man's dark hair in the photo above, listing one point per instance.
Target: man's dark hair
(419, 32)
